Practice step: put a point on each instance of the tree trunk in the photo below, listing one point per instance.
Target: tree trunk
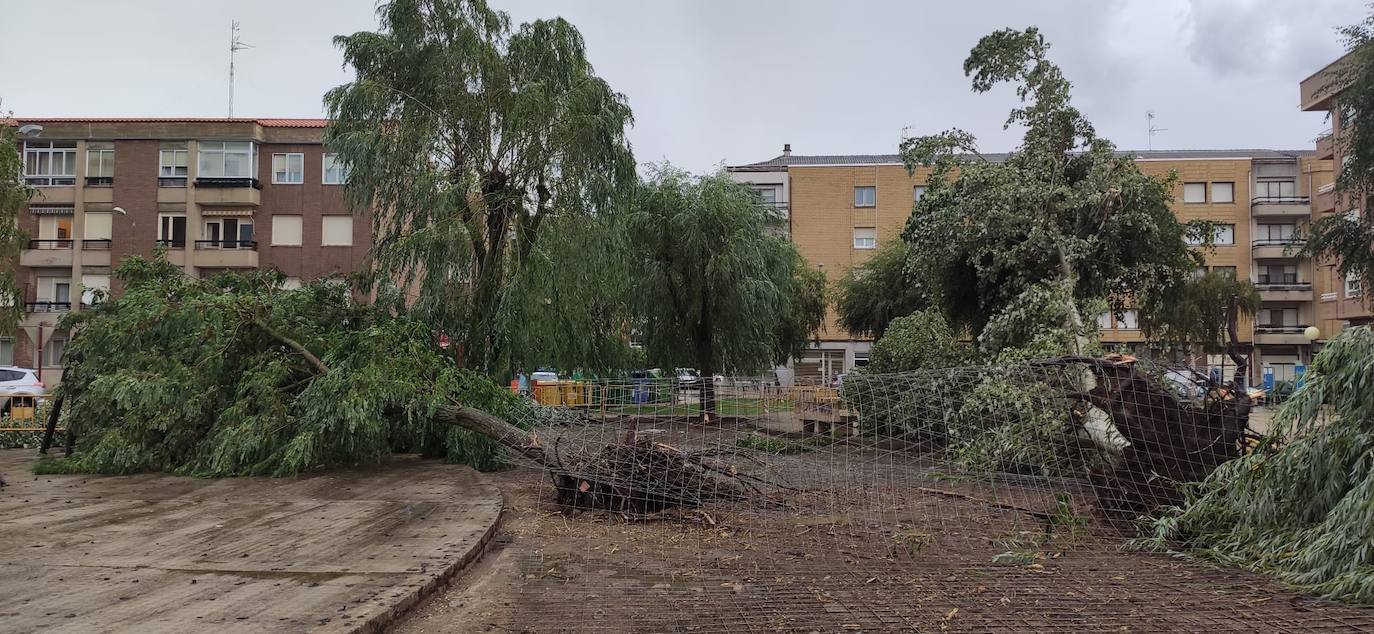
(52, 424)
(706, 365)
(1233, 347)
(473, 419)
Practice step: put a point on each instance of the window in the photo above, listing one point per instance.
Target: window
(288, 169)
(50, 163)
(228, 233)
(1223, 192)
(1275, 233)
(1278, 317)
(769, 195)
(865, 237)
(1225, 270)
(1128, 320)
(171, 171)
(1275, 189)
(865, 196)
(90, 284)
(1225, 235)
(53, 350)
(99, 164)
(1278, 274)
(99, 225)
(54, 228)
(1352, 284)
(286, 231)
(171, 230)
(919, 193)
(54, 289)
(335, 172)
(1104, 321)
(336, 231)
(6, 351)
(227, 159)
(1195, 192)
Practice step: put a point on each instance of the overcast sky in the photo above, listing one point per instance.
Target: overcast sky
(714, 82)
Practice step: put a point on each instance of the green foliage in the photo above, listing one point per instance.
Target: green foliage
(214, 377)
(1195, 310)
(917, 341)
(878, 291)
(717, 286)
(764, 443)
(1062, 210)
(14, 194)
(1302, 505)
(483, 144)
(1009, 423)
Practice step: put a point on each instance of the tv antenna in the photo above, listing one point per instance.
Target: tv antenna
(235, 45)
(1151, 129)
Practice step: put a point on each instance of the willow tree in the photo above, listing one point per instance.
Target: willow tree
(14, 194)
(878, 291)
(1064, 216)
(1204, 311)
(718, 284)
(1348, 240)
(468, 139)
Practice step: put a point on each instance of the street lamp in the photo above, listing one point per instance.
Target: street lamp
(1312, 333)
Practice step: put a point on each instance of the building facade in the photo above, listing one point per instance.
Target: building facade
(1341, 301)
(217, 194)
(841, 208)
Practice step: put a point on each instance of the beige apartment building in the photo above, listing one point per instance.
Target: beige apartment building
(218, 194)
(841, 208)
(1340, 300)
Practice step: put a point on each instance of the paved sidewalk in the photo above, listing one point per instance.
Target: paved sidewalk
(340, 552)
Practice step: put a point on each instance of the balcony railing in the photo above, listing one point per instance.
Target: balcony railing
(99, 181)
(171, 181)
(1282, 286)
(50, 181)
(1278, 242)
(172, 244)
(1280, 200)
(218, 182)
(96, 245)
(248, 245)
(50, 244)
(1281, 329)
(47, 307)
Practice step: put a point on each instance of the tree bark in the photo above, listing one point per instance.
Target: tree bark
(473, 419)
(1233, 346)
(706, 366)
(294, 345)
(52, 424)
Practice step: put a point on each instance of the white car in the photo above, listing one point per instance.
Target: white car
(17, 381)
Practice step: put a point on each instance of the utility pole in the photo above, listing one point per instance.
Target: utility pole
(235, 45)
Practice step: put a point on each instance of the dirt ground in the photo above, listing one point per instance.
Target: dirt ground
(909, 559)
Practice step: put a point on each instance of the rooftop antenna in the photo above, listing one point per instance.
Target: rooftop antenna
(235, 45)
(1152, 130)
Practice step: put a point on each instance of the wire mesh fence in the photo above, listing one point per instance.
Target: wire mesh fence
(965, 499)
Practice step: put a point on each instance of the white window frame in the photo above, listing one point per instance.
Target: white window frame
(769, 195)
(1225, 236)
(208, 167)
(282, 172)
(865, 201)
(1196, 187)
(54, 346)
(866, 242)
(1352, 285)
(331, 159)
(163, 233)
(918, 192)
(176, 168)
(277, 230)
(36, 151)
(221, 239)
(6, 351)
(1229, 187)
(324, 220)
(100, 162)
(1130, 320)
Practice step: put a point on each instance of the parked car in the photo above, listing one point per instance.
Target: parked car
(543, 376)
(17, 381)
(687, 377)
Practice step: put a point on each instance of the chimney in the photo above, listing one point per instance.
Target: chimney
(787, 149)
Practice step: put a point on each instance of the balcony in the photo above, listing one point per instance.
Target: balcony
(1284, 292)
(1325, 200)
(228, 192)
(1281, 248)
(100, 181)
(1326, 147)
(47, 306)
(228, 254)
(97, 245)
(1281, 334)
(47, 253)
(1281, 206)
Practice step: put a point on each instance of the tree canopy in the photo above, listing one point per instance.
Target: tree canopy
(14, 194)
(717, 284)
(1203, 310)
(878, 291)
(232, 375)
(479, 144)
(1064, 215)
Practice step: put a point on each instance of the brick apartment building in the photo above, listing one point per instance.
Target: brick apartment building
(840, 208)
(219, 194)
(1340, 300)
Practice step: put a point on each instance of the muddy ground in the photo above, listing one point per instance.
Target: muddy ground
(901, 556)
